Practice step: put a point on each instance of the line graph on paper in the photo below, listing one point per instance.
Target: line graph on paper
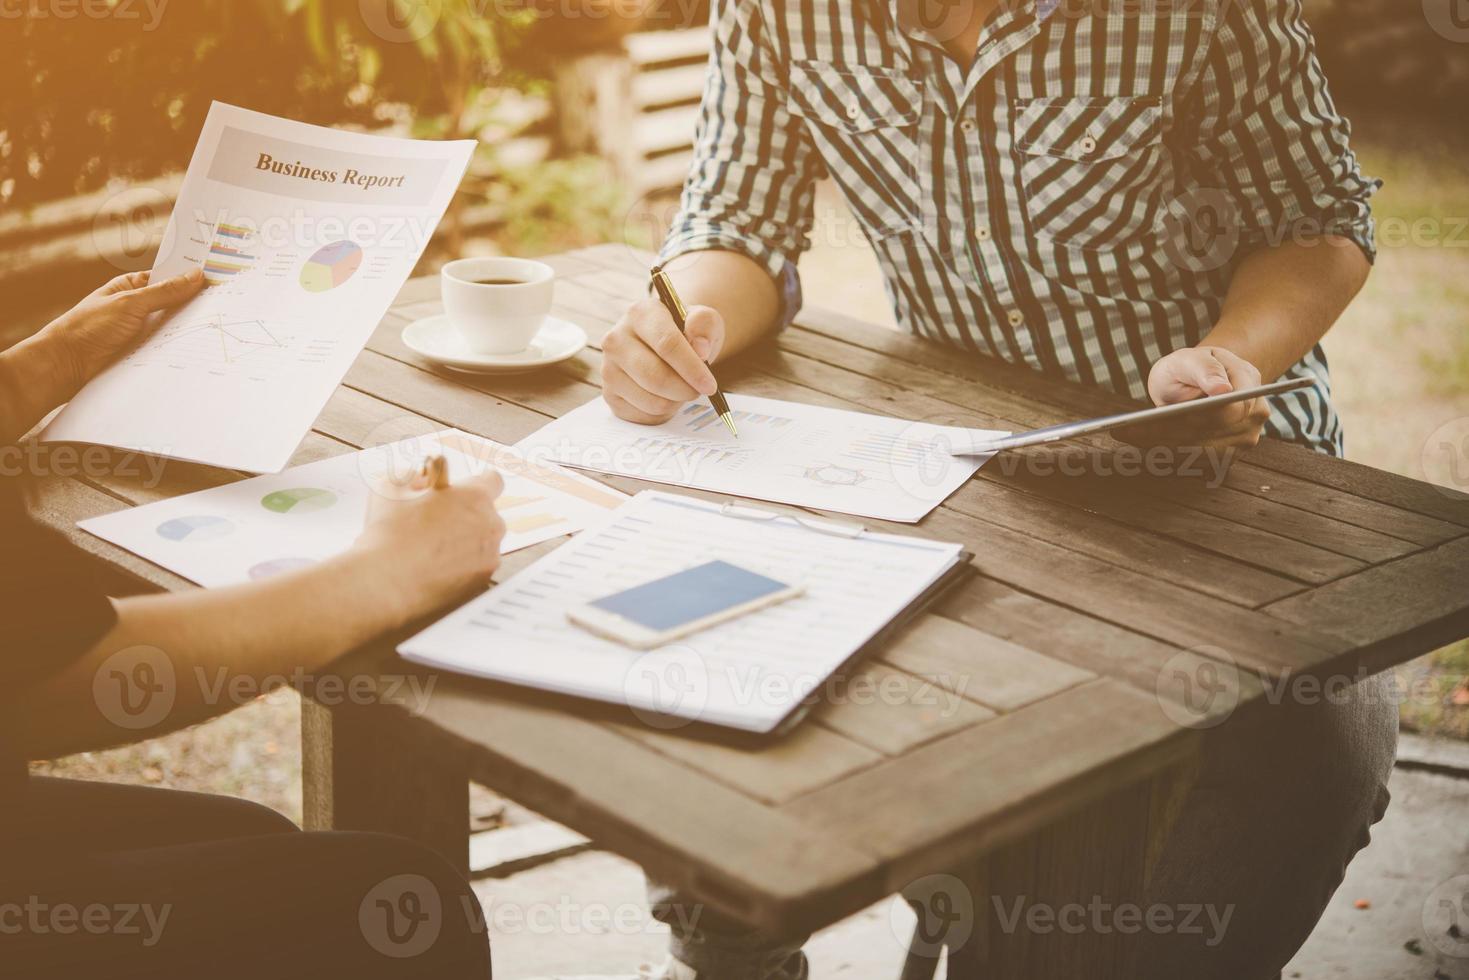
(221, 343)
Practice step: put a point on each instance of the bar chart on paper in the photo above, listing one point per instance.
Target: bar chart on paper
(231, 252)
(697, 417)
(824, 458)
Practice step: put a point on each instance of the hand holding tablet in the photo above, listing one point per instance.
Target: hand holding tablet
(1108, 423)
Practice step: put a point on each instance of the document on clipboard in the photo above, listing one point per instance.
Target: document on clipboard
(754, 673)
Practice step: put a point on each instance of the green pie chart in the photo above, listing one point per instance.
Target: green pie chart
(298, 500)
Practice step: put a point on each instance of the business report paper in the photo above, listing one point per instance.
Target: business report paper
(305, 235)
(260, 527)
(748, 673)
(823, 458)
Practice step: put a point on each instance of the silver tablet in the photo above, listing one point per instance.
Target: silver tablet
(1070, 430)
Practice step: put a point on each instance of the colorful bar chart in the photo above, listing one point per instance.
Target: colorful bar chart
(229, 254)
(698, 417)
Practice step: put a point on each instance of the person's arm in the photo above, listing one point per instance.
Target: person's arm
(50, 367)
(169, 660)
(1267, 134)
(744, 220)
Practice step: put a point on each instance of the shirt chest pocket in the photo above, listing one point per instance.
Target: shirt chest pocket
(1092, 170)
(864, 123)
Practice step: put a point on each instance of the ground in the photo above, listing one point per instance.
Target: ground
(1400, 361)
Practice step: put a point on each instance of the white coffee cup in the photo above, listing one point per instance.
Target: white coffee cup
(497, 318)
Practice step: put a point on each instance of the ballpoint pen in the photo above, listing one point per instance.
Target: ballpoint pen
(664, 287)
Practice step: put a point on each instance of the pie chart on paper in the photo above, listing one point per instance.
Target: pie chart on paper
(330, 266)
(298, 500)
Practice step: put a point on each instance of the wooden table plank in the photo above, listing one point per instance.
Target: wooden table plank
(810, 757)
(1395, 610)
(1152, 606)
(1092, 531)
(1004, 676)
(1075, 739)
(1124, 499)
(1090, 643)
(890, 710)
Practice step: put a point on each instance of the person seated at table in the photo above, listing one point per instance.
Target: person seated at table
(1039, 184)
(100, 880)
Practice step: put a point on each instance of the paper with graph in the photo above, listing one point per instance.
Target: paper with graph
(824, 458)
(271, 524)
(305, 236)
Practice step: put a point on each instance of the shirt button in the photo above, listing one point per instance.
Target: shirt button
(1016, 318)
(982, 233)
(1088, 145)
(967, 125)
(853, 111)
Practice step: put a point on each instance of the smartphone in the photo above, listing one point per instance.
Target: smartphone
(668, 608)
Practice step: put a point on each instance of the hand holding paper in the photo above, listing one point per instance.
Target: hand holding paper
(304, 236)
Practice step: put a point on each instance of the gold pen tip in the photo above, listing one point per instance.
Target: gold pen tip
(730, 422)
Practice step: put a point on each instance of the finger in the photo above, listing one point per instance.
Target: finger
(672, 348)
(627, 387)
(1245, 439)
(652, 373)
(629, 412)
(436, 472)
(490, 482)
(1196, 372)
(1242, 374)
(169, 292)
(705, 332)
(123, 283)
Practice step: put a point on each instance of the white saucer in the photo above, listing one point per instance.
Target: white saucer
(437, 340)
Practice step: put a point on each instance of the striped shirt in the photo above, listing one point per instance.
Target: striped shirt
(1075, 201)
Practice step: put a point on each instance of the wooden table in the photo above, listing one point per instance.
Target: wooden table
(1103, 601)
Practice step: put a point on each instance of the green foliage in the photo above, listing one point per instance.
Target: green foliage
(84, 99)
(559, 205)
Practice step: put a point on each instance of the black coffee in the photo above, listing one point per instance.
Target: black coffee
(498, 282)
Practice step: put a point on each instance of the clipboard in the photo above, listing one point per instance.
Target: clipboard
(859, 595)
(962, 569)
(1106, 423)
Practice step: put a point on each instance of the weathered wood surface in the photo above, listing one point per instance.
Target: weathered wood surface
(1061, 681)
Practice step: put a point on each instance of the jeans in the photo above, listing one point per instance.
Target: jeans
(1284, 799)
(100, 880)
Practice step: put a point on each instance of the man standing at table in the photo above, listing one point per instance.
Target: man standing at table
(1035, 176)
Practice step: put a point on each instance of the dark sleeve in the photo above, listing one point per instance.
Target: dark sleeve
(51, 610)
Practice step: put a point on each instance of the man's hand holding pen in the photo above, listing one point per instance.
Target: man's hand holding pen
(650, 369)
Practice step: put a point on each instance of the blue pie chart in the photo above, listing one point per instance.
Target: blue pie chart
(196, 527)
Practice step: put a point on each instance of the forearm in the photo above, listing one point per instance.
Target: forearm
(199, 643)
(734, 285)
(1284, 298)
(31, 385)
